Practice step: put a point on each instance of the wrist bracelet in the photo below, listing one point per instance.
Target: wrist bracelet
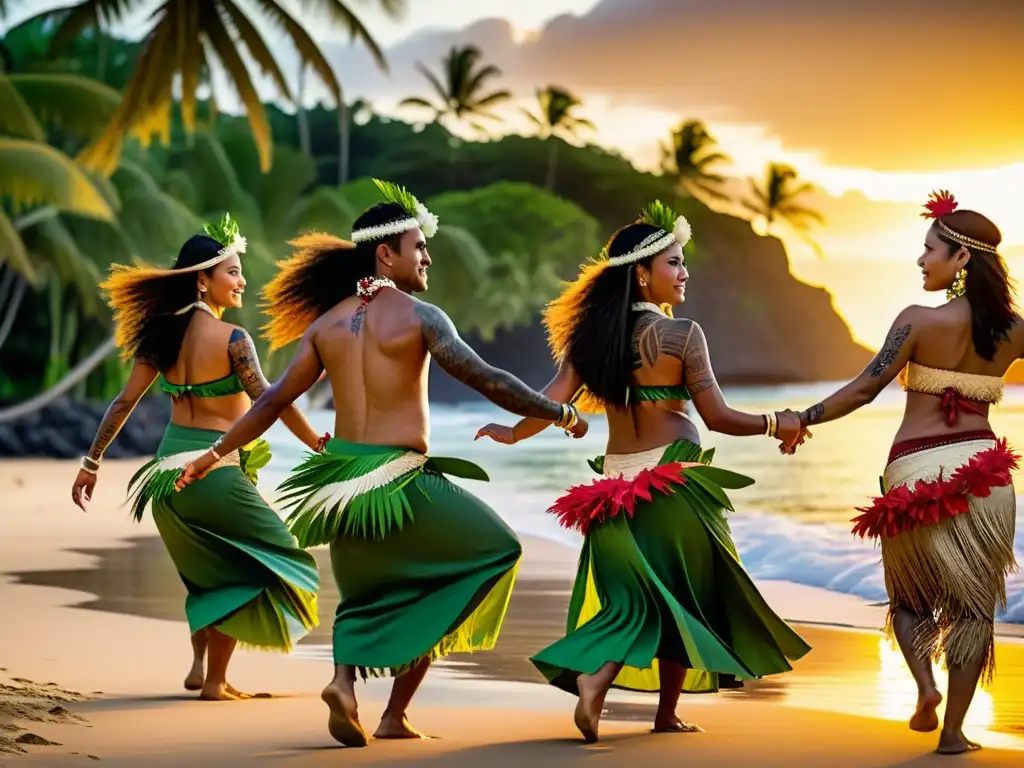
(89, 465)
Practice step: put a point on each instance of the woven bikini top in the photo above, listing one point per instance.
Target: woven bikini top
(938, 381)
(229, 385)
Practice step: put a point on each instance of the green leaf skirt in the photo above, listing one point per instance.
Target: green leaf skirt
(666, 583)
(244, 572)
(423, 567)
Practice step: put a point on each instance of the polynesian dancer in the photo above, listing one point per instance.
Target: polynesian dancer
(661, 601)
(423, 567)
(946, 519)
(247, 580)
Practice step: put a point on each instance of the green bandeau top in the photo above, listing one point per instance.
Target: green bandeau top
(650, 394)
(229, 385)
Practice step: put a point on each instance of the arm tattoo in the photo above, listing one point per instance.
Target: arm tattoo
(115, 417)
(890, 350)
(659, 337)
(812, 415)
(697, 362)
(245, 363)
(461, 362)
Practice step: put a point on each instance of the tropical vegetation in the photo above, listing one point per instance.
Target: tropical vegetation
(80, 190)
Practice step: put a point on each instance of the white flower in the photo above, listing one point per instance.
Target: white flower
(235, 248)
(682, 231)
(427, 220)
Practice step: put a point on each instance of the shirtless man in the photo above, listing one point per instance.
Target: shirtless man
(423, 568)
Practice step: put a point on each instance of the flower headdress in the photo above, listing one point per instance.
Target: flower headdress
(672, 228)
(418, 215)
(942, 203)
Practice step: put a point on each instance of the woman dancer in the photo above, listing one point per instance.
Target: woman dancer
(247, 580)
(946, 519)
(661, 601)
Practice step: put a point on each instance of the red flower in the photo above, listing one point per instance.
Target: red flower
(584, 505)
(939, 204)
(929, 502)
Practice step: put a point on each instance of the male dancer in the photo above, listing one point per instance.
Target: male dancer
(423, 568)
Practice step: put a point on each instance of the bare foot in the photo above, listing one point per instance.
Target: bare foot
(588, 710)
(956, 744)
(395, 728)
(220, 692)
(925, 718)
(196, 677)
(343, 722)
(235, 692)
(675, 725)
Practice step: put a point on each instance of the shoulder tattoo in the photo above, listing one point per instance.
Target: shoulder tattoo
(245, 363)
(658, 336)
(698, 373)
(890, 350)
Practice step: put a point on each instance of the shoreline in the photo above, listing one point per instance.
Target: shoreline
(127, 653)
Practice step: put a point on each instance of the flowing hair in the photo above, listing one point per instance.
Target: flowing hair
(322, 272)
(591, 324)
(989, 289)
(147, 303)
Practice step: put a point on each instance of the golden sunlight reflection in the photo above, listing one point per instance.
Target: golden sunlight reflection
(897, 691)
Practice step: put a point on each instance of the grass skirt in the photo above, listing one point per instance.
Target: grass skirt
(946, 526)
(243, 570)
(659, 578)
(423, 567)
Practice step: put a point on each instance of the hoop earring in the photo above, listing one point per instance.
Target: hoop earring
(959, 285)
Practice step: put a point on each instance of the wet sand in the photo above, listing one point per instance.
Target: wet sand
(98, 617)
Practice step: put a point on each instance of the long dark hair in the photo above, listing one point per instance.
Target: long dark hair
(989, 288)
(322, 272)
(145, 302)
(591, 324)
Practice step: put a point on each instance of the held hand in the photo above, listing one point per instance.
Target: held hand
(321, 442)
(81, 491)
(789, 432)
(499, 433)
(579, 429)
(195, 470)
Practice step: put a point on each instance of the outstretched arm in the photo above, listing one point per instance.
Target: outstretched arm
(895, 353)
(140, 379)
(685, 340)
(561, 389)
(246, 364)
(458, 359)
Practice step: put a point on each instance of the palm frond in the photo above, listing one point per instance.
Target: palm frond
(416, 101)
(34, 173)
(14, 253)
(441, 91)
(224, 48)
(78, 105)
(304, 44)
(16, 117)
(341, 14)
(73, 20)
(497, 97)
(257, 47)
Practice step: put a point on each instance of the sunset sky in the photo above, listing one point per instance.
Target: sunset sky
(878, 102)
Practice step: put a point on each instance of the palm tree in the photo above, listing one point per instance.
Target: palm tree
(688, 160)
(555, 116)
(461, 94)
(184, 33)
(777, 199)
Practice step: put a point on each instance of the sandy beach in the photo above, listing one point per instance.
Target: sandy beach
(94, 649)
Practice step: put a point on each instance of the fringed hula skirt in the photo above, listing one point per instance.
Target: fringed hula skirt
(244, 572)
(946, 526)
(659, 578)
(423, 567)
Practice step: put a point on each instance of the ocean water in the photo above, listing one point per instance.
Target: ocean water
(792, 525)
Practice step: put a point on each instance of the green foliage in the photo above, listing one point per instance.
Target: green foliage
(395, 193)
(225, 231)
(657, 214)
